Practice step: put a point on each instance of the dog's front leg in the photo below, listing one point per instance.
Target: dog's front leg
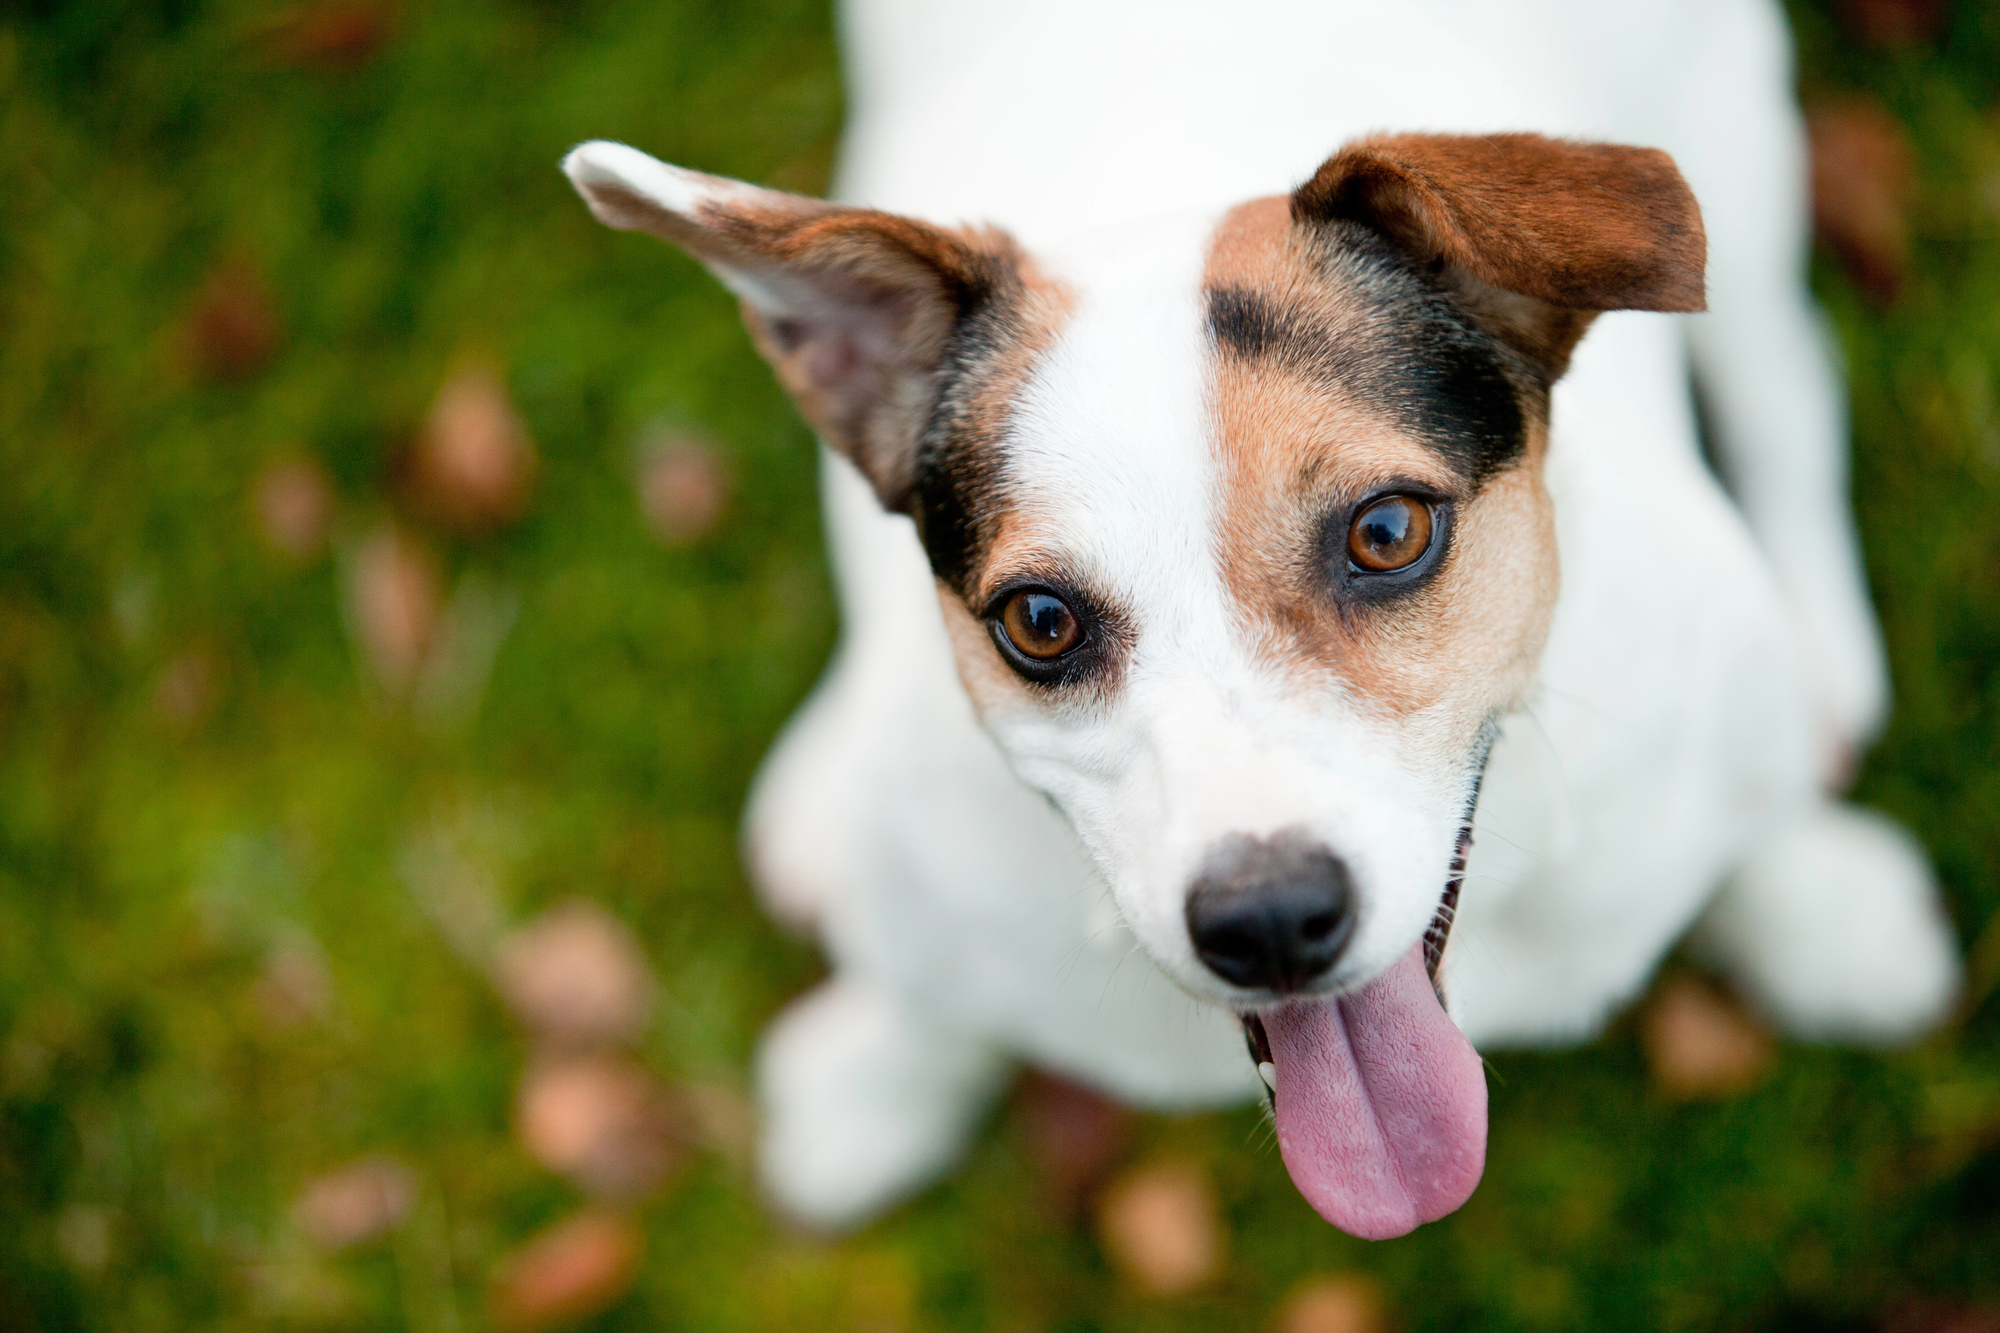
(865, 1101)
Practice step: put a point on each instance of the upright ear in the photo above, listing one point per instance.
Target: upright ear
(1534, 235)
(855, 309)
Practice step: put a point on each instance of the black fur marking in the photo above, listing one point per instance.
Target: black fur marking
(957, 488)
(1409, 351)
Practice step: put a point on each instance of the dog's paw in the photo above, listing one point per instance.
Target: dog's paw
(864, 1105)
(1836, 931)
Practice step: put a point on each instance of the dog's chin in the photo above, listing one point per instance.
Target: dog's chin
(1380, 1101)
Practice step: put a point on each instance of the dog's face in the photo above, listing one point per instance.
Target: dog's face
(1237, 522)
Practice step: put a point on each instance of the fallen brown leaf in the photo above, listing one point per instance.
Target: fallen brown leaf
(1894, 22)
(682, 488)
(1348, 1303)
(474, 464)
(1923, 1316)
(1701, 1044)
(394, 598)
(357, 1203)
(1861, 180)
(1075, 1137)
(575, 977)
(231, 330)
(601, 1121)
(573, 1270)
(330, 36)
(1159, 1225)
(185, 691)
(293, 501)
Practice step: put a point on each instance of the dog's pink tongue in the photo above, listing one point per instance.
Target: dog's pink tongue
(1381, 1104)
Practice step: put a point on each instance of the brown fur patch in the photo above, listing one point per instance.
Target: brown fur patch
(1532, 231)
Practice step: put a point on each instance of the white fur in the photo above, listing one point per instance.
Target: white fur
(601, 162)
(1709, 663)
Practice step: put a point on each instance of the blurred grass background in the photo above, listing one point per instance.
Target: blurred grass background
(248, 872)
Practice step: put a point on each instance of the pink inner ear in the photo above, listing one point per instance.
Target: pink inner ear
(833, 356)
(844, 332)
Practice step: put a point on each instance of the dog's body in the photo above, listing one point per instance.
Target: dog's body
(1663, 727)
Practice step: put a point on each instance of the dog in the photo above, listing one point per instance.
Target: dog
(1267, 615)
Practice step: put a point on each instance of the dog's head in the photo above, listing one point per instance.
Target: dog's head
(1237, 522)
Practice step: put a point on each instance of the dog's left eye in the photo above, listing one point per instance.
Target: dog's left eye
(1390, 534)
(1040, 626)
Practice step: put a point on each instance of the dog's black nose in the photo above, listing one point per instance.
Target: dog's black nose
(1271, 912)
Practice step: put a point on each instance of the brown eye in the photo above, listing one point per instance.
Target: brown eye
(1390, 534)
(1040, 626)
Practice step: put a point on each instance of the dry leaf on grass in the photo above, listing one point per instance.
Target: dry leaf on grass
(329, 36)
(1700, 1043)
(575, 977)
(573, 1270)
(1348, 1303)
(1895, 22)
(1160, 1227)
(293, 501)
(231, 330)
(185, 691)
(394, 597)
(682, 488)
(601, 1121)
(1861, 179)
(1927, 1316)
(1075, 1137)
(357, 1203)
(474, 465)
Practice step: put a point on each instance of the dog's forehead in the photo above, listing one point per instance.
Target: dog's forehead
(1207, 351)
(1109, 466)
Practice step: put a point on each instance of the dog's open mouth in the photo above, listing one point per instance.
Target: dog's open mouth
(1380, 1101)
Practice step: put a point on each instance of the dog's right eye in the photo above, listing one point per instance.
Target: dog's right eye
(1040, 626)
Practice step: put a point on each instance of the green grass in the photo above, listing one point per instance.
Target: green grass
(406, 215)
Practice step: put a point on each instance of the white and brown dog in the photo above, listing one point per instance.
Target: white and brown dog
(1197, 557)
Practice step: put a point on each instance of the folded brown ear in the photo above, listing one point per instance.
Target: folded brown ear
(854, 308)
(1582, 227)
